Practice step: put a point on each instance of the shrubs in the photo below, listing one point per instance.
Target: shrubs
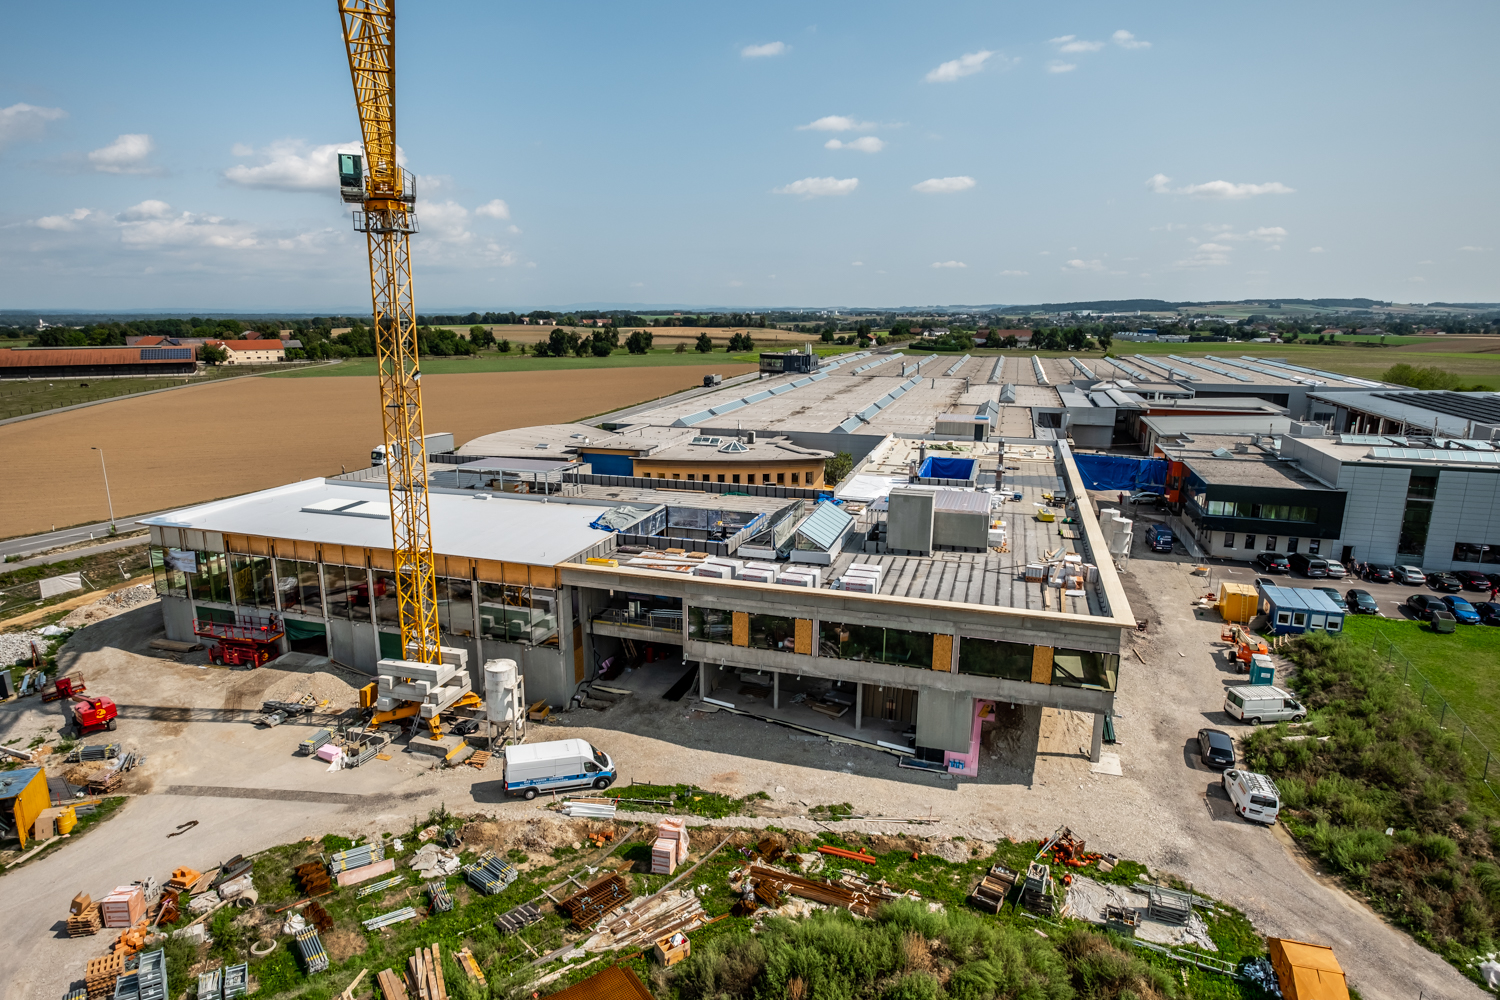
(1375, 760)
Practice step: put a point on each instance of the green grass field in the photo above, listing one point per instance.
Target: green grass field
(19, 397)
(492, 361)
(1461, 667)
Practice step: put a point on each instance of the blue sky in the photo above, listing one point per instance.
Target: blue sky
(176, 155)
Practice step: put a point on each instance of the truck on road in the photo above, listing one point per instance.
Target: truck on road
(557, 765)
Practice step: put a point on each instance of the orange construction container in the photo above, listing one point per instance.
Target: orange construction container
(1307, 971)
(1238, 602)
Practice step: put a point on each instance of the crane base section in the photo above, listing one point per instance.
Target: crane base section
(442, 746)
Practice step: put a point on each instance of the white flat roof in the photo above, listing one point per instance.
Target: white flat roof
(510, 529)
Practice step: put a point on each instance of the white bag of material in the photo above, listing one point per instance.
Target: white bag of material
(202, 904)
(294, 923)
(235, 886)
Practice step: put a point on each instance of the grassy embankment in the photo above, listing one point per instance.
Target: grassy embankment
(21, 397)
(1387, 798)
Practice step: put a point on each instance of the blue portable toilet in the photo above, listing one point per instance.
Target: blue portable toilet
(1295, 610)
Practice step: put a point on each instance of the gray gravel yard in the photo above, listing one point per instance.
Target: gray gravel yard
(206, 762)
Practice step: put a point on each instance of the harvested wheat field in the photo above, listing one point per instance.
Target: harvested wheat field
(203, 442)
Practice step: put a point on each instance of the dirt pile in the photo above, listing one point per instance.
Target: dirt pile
(109, 606)
(323, 686)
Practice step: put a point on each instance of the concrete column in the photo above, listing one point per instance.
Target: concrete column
(702, 680)
(776, 689)
(1096, 747)
(859, 704)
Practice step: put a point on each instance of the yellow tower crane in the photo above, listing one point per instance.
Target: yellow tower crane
(386, 196)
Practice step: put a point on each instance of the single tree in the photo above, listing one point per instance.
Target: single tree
(704, 344)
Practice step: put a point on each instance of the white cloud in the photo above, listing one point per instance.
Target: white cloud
(293, 165)
(64, 222)
(836, 123)
(1014, 274)
(1208, 255)
(1316, 250)
(445, 221)
(1474, 249)
(1162, 184)
(944, 185)
(126, 155)
(858, 263)
(816, 187)
(864, 144)
(496, 209)
(948, 263)
(1262, 234)
(154, 224)
(762, 51)
(1084, 265)
(965, 65)
(1072, 43)
(1126, 40)
(25, 121)
(1058, 66)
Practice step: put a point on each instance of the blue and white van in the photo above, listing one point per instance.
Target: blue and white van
(1159, 537)
(558, 765)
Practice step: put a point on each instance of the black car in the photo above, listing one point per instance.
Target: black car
(1377, 573)
(1361, 603)
(1423, 605)
(1472, 579)
(1489, 612)
(1273, 562)
(1446, 582)
(1216, 748)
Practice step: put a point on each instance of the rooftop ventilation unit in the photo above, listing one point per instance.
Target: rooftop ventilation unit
(1041, 375)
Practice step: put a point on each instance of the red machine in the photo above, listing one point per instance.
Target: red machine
(248, 641)
(93, 714)
(64, 687)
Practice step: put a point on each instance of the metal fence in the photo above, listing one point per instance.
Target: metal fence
(1476, 754)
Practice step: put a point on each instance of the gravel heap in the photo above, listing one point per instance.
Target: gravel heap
(110, 605)
(17, 645)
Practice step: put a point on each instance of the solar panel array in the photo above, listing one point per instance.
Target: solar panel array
(1481, 407)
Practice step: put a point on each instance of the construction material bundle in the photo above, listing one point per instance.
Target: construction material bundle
(151, 976)
(311, 948)
(124, 907)
(96, 751)
(671, 847)
(313, 742)
(313, 878)
(663, 857)
(590, 904)
(77, 993)
(768, 883)
(386, 919)
(677, 911)
(355, 857)
(236, 980)
(513, 920)
(426, 969)
(100, 974)
(211, 985)
(381, 886)
(391, 985)
(437, 892)
(590, 808)
(489, 873)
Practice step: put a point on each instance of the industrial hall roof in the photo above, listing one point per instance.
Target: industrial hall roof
(46, 357)
(540, 531)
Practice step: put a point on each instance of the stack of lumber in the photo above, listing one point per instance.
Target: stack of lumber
(656, 918)
(391, 986)
(313, 877)
(589, 905)
(858, 902)
(124, 907)
(100, 974)
(470, 965)
(425, 969)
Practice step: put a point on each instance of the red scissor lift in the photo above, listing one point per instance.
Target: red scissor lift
(249, 640)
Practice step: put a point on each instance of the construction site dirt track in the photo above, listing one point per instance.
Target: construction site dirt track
(203, 442)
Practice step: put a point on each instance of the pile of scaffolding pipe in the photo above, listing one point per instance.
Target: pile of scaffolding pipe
(381, 886)
(589, 810)
(312, 951)
(356, 857)
(490, 874)
(386, 919)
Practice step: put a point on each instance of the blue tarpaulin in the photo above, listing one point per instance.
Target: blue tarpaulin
(937, 467)
(1118, 472)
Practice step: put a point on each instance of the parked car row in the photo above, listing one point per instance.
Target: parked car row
(1422, 607)
(1311, 566)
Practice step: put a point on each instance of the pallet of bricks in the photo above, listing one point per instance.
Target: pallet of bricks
(670, 848)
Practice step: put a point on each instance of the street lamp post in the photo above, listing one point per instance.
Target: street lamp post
(108, 499)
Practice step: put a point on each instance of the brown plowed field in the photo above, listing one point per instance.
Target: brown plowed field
(203, 442)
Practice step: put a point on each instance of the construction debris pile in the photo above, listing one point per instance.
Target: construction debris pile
(109, 606)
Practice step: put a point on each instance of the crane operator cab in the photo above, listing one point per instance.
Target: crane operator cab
(351, 177)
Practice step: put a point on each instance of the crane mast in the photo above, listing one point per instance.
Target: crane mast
(386, 196)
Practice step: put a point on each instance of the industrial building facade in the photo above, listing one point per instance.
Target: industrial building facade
(96, 362)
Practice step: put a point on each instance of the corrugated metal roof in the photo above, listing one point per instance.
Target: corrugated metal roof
(966, 501)
(34, 357)
(825, 525)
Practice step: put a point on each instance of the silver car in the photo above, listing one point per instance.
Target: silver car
(1336, 569)
(1410, 574)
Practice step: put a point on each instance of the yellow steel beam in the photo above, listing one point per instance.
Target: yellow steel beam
(388, 222)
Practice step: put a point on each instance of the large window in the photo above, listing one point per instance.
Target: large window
(1421, 491)
(211, 582)
(512, 613)
(348, 592)
(773, 632)
(711, 625)
(170, 581)
(301, 592)
(1265, 512)
(871, 642)
(387, 608)
(1082, 668)
(254, 585)
(455, 598)
(1009, 661)
(1474, 552)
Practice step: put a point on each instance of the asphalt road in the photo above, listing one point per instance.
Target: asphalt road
(27, 544)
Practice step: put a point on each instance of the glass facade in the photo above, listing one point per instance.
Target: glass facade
(1010, 661)
(301, 590)
(1421, 491)
(254, 585)
(387, 609)
(1265, 512)
(348, 592)
(710, 625)
(455, 597)
(1082, 668)
(170, 582)
(773, 632)
(871, 642)
(211, 582)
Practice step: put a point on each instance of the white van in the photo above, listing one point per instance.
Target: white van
(1253, 795)
(1257, 703)
(555, 766)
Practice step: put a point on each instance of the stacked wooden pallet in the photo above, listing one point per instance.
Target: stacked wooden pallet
(85, 923)
(479, 760)
(100, 974)
(425, 970)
